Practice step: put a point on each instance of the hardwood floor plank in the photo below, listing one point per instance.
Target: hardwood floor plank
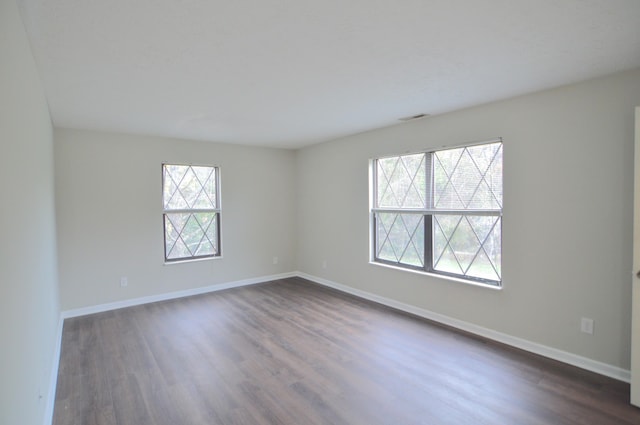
(293, 352)
(128, 401)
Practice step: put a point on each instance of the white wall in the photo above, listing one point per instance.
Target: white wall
(109, 210)
(568, 193)
(28, 277)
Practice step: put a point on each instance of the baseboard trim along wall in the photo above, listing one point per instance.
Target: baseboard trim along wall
(53, 380)
(532, 347)
(171, 295)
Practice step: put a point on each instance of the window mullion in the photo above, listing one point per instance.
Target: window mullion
(428, 242)
(218, 232)
(428, 219)
(428, 165)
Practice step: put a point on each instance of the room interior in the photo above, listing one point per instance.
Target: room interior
(80, 179)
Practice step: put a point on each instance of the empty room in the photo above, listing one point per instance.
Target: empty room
(294, 212)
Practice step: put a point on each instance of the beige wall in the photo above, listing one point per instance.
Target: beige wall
(28, 277)
(567, 215)
(109, 209)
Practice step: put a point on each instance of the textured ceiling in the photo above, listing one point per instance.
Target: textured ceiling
(289, 73)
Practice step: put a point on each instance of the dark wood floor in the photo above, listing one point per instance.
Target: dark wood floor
(292, 352)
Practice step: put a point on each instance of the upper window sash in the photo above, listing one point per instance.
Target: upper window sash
(188, 187)
(466, 178)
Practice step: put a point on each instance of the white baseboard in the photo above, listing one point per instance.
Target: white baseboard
(533, 347)
(171, 295)
(53, 379)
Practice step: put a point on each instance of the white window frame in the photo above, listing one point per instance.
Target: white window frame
(428, 214)
(217, 211)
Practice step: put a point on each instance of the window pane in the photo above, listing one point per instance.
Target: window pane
(401, 181)
(468, 245)
(400, 238)
(468, 178)
(190, 234)
(189, 187)
(444, 259)
(172, 177)
(205, 183)
(174, 246)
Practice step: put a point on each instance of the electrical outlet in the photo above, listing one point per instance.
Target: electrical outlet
(124, 281)
(586, 325)
(324, 264)
(275, 260)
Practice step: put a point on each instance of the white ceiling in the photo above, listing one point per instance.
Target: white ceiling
(289, 73)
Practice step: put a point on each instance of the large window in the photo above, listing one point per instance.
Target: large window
(191, 199)
(440, 212)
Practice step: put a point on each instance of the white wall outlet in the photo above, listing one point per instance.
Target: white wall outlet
(324, 264)
(124, 281)
(275, 260)
(586, 325)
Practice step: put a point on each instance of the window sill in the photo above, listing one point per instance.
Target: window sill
(191, 260)
(438, 276)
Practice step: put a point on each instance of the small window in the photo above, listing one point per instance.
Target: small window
(440, 212)
(191, 212)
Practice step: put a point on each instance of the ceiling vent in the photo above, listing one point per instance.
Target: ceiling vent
(413, 117)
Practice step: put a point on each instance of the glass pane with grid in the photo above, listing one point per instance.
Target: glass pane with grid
(189, 187)
(468, 245)
(468, 178)
(401, 181)
(400, 238)
(190, 235)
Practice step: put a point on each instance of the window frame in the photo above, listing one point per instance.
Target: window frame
(427, 214)
(217, 211)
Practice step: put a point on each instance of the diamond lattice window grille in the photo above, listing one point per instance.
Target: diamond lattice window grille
(400, 238)
(190, 235)
(191, 212)
(189, 187)
(468, 178)
(468, 245)
(402, 181)
(455, 202)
